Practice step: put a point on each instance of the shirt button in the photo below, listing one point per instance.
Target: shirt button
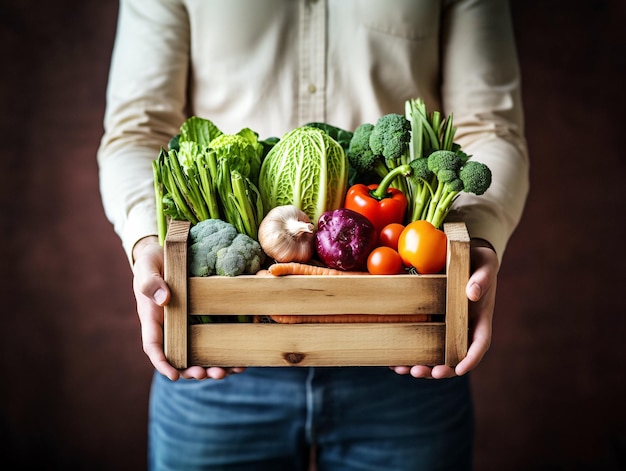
(312, 88)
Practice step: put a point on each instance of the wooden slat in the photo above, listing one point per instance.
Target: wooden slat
(175, 320)
(297, 294)
(457, 304)
(317, 344)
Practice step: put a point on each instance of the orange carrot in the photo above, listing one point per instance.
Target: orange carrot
(349, 318)
(295, 268)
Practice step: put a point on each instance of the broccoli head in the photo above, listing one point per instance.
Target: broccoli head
(206, 238)
(216, 248)
(445, 164)
(243, 256)
(391, 137)
(453, 175)
(476, 177)
(360, 155)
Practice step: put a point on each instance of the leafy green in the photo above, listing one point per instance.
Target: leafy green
(308, 169)
(207, 174)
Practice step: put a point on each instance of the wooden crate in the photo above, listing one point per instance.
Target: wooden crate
(353, 344)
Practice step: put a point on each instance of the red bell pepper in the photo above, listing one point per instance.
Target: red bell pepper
(378, 203)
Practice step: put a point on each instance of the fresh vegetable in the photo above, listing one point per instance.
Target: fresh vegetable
(243, 256)
(390, 234)
(215, 247)
(379, 203)
(286, 234)
(429, 131)
(242, 150)
(199, 130)
(297, 268)
(390, 139)
(453, 177)
(423, 247)
(238, 162)
(342, 136)
(361, 156)
(207, 174)
(344, 239)
(384, 261)
(306, 168)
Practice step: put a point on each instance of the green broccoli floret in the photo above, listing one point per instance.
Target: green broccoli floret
(454, 176)
(360, 155)
(445, 166)
(476, 177)
(243, 256)
(390, 139)
(206, 238)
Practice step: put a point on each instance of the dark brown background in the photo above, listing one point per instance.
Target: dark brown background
(74, 380)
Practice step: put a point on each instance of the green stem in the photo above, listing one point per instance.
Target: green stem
(435, 201)
(448, 134)
(183, 184)
(420, 201)
(175, 192)
(196, 196)
(158, 194)
(382, 189)
(208, 188)
(417, 130)
(443, 208)
(242, 202)
(380, 169)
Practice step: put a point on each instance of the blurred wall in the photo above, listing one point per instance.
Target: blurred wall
(75, 382)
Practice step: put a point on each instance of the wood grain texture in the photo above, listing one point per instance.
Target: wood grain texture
(175, 321)
(317, 344)
(457, 304)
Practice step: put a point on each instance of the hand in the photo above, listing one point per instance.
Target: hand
(152, 293)
(481, 291)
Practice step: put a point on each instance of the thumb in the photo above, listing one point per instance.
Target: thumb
(148, 279)
(485, 263)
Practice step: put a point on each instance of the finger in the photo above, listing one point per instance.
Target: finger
(401, 370)
(485, 263)
(421, 371)
(442, 371)
(478, 348)
(149, 282)
(153, 348)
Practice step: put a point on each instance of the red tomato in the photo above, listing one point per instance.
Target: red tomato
(423, 247)
(390, 234)
(384, 261)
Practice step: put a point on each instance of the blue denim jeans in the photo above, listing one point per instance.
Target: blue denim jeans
(268, 418)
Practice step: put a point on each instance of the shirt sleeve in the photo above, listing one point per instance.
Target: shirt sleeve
(146, 96)
(481, 89)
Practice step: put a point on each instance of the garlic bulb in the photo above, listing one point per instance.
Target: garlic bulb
(286, 234)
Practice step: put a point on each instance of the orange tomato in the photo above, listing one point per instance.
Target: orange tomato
(390, 234)
(384, 261)
(423, 247)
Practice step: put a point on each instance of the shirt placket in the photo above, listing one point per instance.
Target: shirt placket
(312, 61)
